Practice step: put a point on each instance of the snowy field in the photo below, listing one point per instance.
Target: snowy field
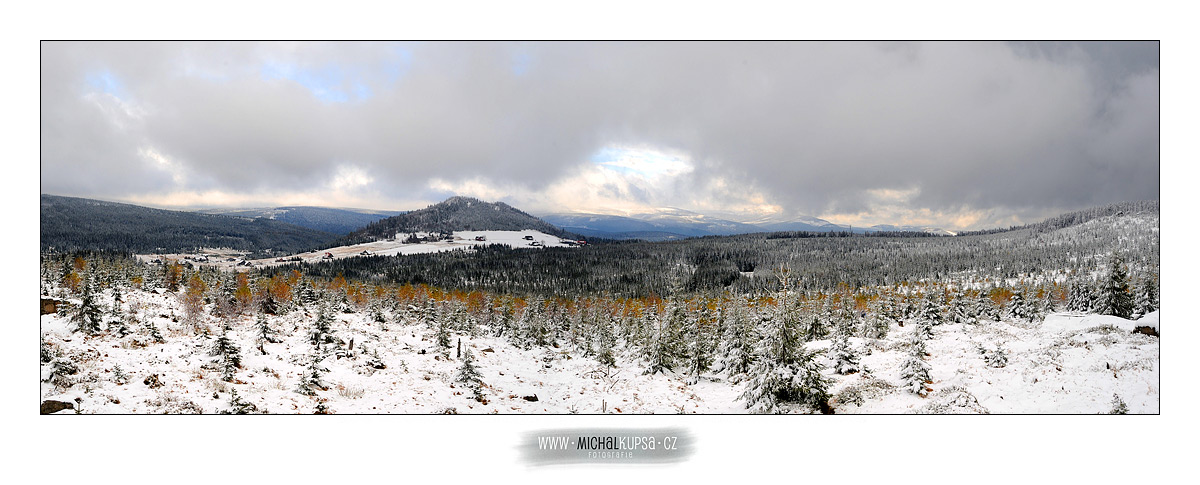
(229, 259)
(1068, 363)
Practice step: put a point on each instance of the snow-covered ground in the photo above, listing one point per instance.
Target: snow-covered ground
(1068, 364)
(228, 259)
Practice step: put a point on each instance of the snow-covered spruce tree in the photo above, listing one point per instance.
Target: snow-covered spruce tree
(815, 327)
(1118, 405)
(152, 331)
(237, 405)
(930, 309)
(700, 343)
(469, 374)
(117, 321)
(1047, 303)
(442, 333)
(322, 330)
(1019, 308)
(997, 357)
(785, 372)
(1115, 297)
(534, 325)
(1147, 296)
(985, 308)
(228, 354)
(664, 343)
(1079, 298)
(914, 372)
(310, 381)
(844, 358)
(960, 310)
(737, 345)
(86, 315)
(264, 331)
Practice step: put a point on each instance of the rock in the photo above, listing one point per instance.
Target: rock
(532, 398)
(1146, 331)
(489, 349)
(51, 406)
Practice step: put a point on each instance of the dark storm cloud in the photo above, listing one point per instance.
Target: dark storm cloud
(819, 128)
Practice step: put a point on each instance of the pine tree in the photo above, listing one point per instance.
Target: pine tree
(264, 330)
(228, 354)
(914, 372)
(785, 371)
(930, 309)
(322, 331)
(737, 345)
(1019, 308)
(960, 309)
(239, 406)
(87, 314)
(997, 357)
(469, 374)
(1147, 296)
(844, 358)
(1079, 297)
(663, 345)
(310, 381)
(1115, 297)
(698, 352)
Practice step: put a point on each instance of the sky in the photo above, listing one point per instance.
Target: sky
(958, 135)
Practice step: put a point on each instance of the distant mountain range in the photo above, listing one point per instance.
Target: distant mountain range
(673, 223)
(332, 220)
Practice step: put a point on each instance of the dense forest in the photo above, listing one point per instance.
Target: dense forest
(1070, 243)
(71, 223)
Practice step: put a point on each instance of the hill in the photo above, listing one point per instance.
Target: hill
(456, 214)
(72, 223)
(326, 219)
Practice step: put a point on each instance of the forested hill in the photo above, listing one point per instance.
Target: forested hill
(457, 214)
(327, 219)
(1149, 207)
(71, 223)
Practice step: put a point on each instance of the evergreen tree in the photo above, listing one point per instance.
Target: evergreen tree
(1115, 297)
(87, 315)
(930, 309)
(985, 308)
(700, 344)
(737, 346)
(310, 381)
(997, 357)
(322, 331)
(914, 372)
(469, 374)
(228, 354)
(663, 347)
(239, 406)
(844, 358)
(264, 331)
(1079, 298)
(785, 371)
(960, 309)
(1019, 308)
(1147, 297)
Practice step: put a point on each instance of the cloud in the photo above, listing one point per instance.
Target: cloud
(978, 132)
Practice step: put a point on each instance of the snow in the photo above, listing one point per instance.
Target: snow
(464, 240)
(1066, 364)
